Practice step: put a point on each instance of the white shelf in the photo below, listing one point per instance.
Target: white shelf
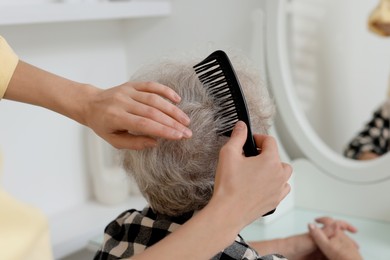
(13, 14)
(72, 230)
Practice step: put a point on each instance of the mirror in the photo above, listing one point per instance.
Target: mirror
(340, 68)
(300, 130)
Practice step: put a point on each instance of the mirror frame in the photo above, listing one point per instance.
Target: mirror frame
(300, 130)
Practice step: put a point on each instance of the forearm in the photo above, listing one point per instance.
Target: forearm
(34, 86)
(202, 237)
(293, 247)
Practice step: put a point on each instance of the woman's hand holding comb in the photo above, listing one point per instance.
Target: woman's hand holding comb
(250, 186)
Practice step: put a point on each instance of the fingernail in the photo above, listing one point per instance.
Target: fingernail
(239, 125)
(177, 134)
(312, 226)
(177, 98)
(187, 133)
(185, 119)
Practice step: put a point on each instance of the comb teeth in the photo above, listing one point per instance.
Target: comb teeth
(217, 75)
(227, 112)
(212, 76)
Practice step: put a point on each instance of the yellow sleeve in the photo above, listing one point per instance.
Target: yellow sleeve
(8, 62)
(24, 231)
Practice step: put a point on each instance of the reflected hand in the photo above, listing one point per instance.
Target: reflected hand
(132, 115)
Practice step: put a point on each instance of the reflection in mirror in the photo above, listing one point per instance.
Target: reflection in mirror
(341, 69)
(373, 140)
(324, 179)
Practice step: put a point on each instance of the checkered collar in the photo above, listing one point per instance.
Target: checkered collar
(133, 231)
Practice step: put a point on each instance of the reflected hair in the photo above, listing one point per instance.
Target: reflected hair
(177, 177)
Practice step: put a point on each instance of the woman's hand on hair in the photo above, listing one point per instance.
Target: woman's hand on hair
(250, 186)
(132, 115)
(128, 116)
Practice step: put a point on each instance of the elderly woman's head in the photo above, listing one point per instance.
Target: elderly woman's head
(178, 176)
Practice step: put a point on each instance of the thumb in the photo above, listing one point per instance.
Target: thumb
(238, 136)
(318, 236)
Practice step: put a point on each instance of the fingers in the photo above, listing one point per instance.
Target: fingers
(238, 137)
(146, 111)
(287, 167)
(286, 191)
(324, 220)
(159, 115)
(334, 228)
(287, 172)
(339, 246)
(267, 144)
(345, 225)
(146, 127)
(132, 114)
(318, 236)
(340, 223)
(159, 105)
(338, 231)
(269, 148)
(128, 141)
(157, 88)
(341, 235)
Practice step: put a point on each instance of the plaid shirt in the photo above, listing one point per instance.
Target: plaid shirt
(375, 135)
(133, 231)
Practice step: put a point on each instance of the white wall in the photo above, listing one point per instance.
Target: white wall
(194, 26)
(44, 161)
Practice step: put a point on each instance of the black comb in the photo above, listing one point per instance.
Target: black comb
(217, 74)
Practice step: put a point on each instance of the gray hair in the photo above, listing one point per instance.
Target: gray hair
(178, 176)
